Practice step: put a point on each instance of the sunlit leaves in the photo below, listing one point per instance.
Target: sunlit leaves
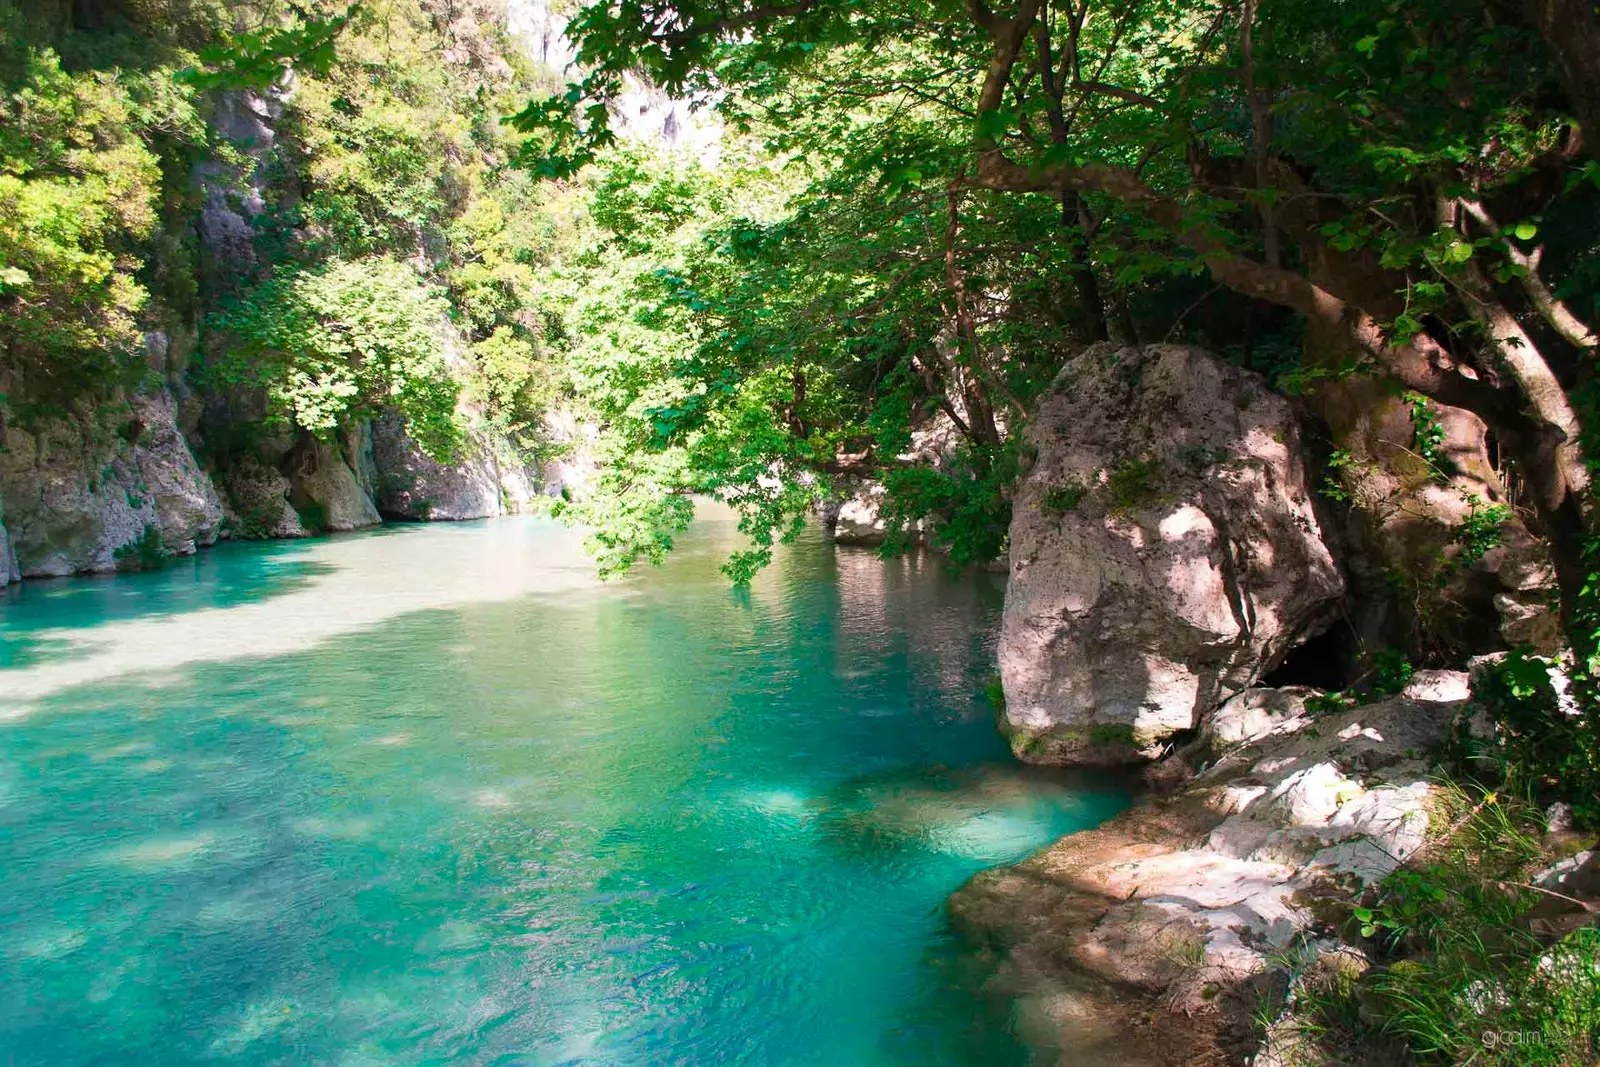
(260, 58)
(342, 341)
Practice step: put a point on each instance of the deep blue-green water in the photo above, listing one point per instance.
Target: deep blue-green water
(433, 795)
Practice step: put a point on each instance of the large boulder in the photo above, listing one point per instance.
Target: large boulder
(1165, 553)
(108, 487)
(412, 485)
(324, 489)
(854, 513)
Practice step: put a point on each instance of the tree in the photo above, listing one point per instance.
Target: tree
(1376, 169)
(339, 342)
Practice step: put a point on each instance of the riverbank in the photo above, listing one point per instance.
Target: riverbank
(1196, 927)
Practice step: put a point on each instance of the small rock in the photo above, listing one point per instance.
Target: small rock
(1438, 687)
(1256, 713)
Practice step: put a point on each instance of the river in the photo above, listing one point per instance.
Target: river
(432, 794)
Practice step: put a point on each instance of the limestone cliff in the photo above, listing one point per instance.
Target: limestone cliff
(479, 484)
(107, 487)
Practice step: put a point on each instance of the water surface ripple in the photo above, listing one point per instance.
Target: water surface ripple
(434, 795)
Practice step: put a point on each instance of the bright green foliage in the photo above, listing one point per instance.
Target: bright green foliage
(1429, 438)
(79, 194)
(339, 342)
(1541, 746)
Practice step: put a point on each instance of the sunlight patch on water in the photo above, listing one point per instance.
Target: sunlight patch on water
(161, 852)
(986, 836)
(260, 1020)
(785, 803)
(336, 829)
(360, 582)
(53, 943)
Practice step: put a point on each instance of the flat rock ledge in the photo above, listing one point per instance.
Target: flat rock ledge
(1144, 942)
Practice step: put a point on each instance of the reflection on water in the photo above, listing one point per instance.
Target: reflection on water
(433, 795)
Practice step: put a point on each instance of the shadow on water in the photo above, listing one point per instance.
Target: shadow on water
(225, 575)
(218, 577)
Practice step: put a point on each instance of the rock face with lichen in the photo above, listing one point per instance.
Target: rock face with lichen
(1165, 553)
(324, 489)
(1139, 942)
(105, 488)
(412, 485)
(8, 560)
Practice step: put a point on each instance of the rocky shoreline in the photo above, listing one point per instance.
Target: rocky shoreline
(129, 483)
(1146, 941)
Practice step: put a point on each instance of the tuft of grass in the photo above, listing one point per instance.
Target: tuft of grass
(1461, 976)
(1131, 485)
(996, 692)
(1061, 499)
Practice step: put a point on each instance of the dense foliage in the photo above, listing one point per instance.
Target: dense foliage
(340, 341)
(386, 226)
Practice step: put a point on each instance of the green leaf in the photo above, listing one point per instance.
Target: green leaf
(1526, 231)
(1367, 45)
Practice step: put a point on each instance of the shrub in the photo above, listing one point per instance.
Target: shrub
(144, 553)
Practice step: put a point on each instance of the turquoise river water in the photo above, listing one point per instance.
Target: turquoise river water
(431, 794)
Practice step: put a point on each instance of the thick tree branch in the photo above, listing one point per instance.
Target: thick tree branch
(1552, 310)
(1420, 366)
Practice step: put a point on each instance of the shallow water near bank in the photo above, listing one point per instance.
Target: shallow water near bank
(431, 794)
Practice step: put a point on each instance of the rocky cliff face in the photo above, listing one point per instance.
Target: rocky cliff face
(8, 558)
(1164, 553)
(413, 486)
(109, 487)
(324, 489)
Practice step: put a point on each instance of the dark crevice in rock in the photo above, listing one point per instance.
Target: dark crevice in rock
(1322, 662)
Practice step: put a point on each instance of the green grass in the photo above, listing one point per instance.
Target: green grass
(1461, 976)
(1061, 499)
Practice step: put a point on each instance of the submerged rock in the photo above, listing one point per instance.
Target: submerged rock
(1174, 906)
(1165, 553)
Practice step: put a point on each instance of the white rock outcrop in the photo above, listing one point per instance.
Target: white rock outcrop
(321, 480)
(412, 485)
(1165, 553)
(1181, 900)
